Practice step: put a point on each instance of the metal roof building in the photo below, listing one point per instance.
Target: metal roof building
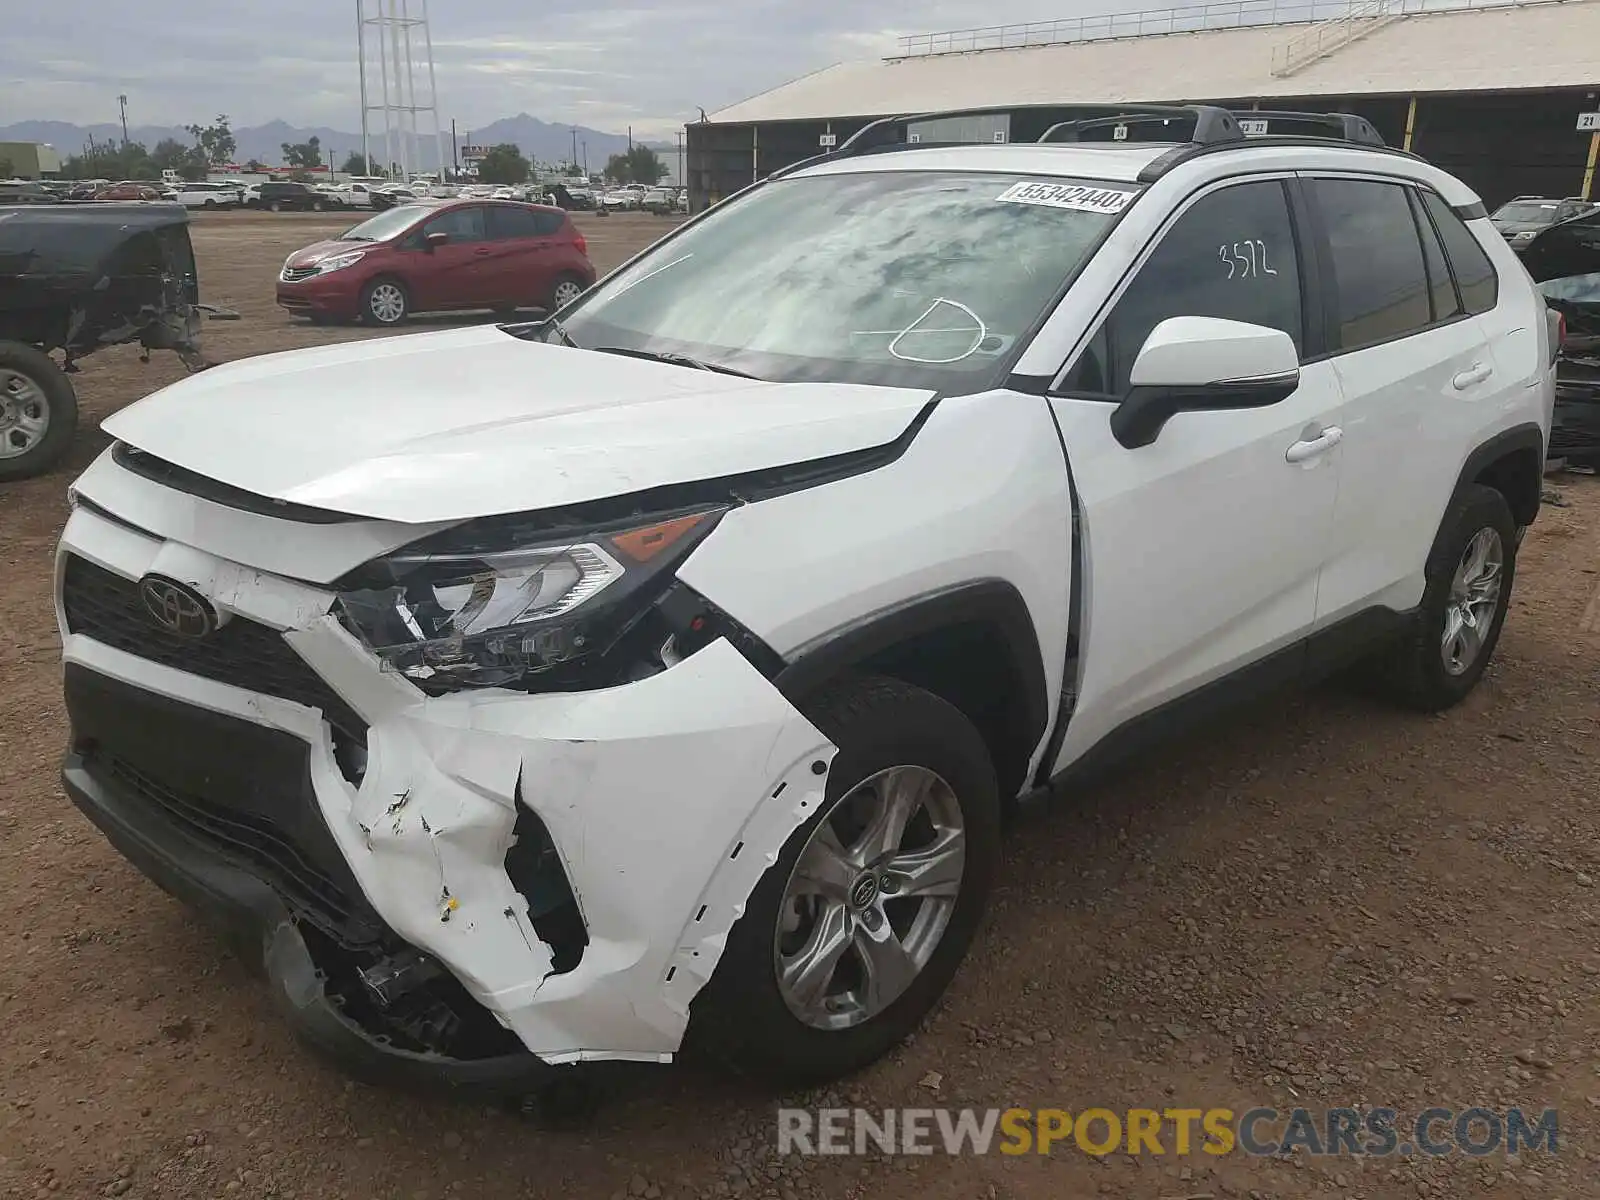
(1489, 89)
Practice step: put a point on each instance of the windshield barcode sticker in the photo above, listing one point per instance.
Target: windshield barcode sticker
(1061, 195)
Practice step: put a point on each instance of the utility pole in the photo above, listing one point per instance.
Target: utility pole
(630, 139)
(574, 147)
(682, 182)
(455, 151)
(586, 158)
(123, 101)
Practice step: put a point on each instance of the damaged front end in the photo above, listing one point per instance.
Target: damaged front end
(77, 278)
(458, 885)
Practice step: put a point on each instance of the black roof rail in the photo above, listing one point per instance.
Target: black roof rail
(1347, 126)
(1212, 125)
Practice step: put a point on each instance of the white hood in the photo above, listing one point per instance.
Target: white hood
(473, 422)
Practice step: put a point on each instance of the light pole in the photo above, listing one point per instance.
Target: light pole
(123, 102)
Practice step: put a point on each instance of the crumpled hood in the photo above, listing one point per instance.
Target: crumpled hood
(472, 422)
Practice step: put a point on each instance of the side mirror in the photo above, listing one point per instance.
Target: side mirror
(1203, 364)
(435, 240)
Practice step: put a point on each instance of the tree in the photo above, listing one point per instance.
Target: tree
(503, 164)
(215, 142)
(355, 164)
(305, 154)
(188, 161)
(639, 165)
(111, 160)
(256, 167)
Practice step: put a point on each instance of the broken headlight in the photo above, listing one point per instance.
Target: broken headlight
(488, 604)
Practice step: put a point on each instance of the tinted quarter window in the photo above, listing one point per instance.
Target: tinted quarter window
(1231, 255)
(1379, 282)
(1475, 276)
(462, 224)
(1441, 288)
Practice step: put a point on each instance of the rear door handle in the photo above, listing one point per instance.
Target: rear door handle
(1309, 448)
(481, 251)
(1475, 374)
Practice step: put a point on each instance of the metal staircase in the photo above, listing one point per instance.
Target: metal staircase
(1327, 37)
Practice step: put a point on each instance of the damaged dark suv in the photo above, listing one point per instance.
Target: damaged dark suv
(75, 279)
(1565, 261)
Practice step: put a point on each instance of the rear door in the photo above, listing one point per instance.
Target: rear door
(458, 274)
(1202, 549)
(1416, 372)
(524, 243)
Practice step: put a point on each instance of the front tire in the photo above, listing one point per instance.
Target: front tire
(38, 412)
(851, 937)
(384, 302)
(1469, 578)
(567, 289)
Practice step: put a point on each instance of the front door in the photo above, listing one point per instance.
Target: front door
(454, 274)
(1201, 550)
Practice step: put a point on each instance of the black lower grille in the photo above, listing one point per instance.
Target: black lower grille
(241, 791)
(106, 607)
(259, 845)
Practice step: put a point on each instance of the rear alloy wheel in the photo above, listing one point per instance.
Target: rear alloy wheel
(854, 933)
(1469, 578)
(38, 411)
(567, 290)
(384, 302)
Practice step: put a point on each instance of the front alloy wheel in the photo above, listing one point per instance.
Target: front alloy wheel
(386, 302)
(870, 898)
(857, 928)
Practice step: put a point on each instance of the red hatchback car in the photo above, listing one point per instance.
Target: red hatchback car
(499, 255)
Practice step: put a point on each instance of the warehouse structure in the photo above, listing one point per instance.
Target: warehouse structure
(1503, 93)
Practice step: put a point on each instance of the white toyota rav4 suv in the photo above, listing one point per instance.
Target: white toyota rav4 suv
(661, 671)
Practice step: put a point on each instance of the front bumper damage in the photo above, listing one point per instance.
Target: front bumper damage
(662, 801)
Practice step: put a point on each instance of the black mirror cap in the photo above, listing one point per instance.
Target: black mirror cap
(1144, 411)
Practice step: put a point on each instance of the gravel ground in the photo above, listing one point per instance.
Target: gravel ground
(1317, 902)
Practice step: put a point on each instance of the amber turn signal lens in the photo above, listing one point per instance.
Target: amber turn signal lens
(641, 545)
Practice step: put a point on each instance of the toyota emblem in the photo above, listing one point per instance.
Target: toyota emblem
(176, 607)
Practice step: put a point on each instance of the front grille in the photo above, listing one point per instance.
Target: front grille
(257, 845)
(296, 274)
(106, 607)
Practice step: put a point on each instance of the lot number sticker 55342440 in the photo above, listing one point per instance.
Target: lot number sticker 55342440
(1062, 195)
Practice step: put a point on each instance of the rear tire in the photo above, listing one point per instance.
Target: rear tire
(1469, 579)
(384, 302)
(38, 412)
(275, 207)
(837, 1018)
(564, 291)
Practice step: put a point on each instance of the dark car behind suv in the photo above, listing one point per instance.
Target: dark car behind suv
(293, 197)
(1565, 261)
(1523, 219)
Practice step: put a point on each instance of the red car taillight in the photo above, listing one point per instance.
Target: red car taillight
(582, 243)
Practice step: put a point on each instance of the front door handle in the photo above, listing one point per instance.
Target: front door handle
(1473, 375)
(481, 251)
(1309, 448)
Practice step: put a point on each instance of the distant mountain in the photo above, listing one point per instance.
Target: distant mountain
(537, 139)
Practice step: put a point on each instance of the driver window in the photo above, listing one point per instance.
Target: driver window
(462, 224)
(1231, 255)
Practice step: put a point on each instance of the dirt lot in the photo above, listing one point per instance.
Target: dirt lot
(1321, 902)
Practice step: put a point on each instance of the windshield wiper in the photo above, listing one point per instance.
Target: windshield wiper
(560, 331)
(677, 360)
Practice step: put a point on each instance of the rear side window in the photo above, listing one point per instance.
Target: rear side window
(1441, 288)
(1231, 255)
(1380, 284)
(506, 222)
(1480, 287)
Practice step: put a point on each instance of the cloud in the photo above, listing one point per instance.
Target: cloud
(566, 60)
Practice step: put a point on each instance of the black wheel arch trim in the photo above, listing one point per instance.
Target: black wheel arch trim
(994, 603)
(1527, 436)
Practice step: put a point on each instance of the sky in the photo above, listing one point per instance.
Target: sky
(607, 64)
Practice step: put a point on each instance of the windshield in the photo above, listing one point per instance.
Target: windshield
(1525, 212)
(387, 224)
(911, 278)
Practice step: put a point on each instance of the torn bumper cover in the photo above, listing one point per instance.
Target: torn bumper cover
(661, 802)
